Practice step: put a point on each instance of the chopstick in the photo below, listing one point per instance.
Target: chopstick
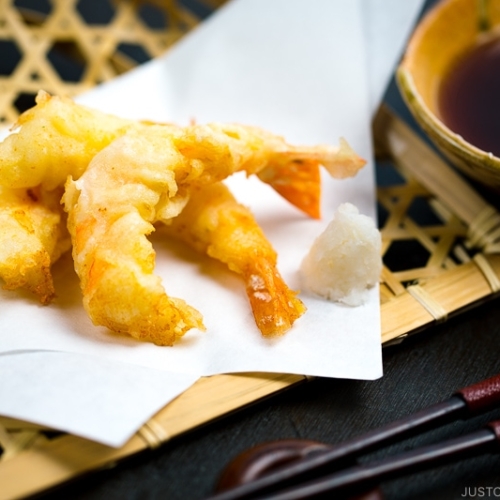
(372, 473)
(467, 402)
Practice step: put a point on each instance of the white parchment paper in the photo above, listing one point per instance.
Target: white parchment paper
(299, 70)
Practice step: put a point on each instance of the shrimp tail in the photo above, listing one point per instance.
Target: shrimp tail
(295, 173)
(275, 306)
(298, 182)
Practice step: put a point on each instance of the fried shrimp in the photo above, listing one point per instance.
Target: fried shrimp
(120, 177)
(33, 237)
(292, 171)
(58, 138)
(143, 178)
(54, 139)
(213, 222)
(111, 210)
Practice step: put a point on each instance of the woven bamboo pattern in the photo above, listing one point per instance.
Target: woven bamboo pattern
(440, 238)
(452, 230)
(68, 46)
(431, 241)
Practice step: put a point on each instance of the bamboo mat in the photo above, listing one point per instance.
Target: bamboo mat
(460, 265)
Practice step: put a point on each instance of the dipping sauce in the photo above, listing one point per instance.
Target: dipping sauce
(469, 97)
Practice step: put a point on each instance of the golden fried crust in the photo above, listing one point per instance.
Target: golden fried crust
(33, 236)
(141, 178)
(54, 139)
(111, 209)
(120, 177)
(213, 222)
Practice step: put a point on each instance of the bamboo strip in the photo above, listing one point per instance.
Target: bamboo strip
(428, 302)
(386, 293)
(452, 228)
(417, 274)
(219, 395)
(489, 273)
(438, 251)
(12, 424)
(468, 284)
(391, 282)
(56, 461)
(16, 442)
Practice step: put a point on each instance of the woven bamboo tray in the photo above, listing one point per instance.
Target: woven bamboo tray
(458, 244)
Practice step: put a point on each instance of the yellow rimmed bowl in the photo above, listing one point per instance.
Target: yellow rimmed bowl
(449, 30)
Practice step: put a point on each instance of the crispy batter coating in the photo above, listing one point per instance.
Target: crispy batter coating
(142, 178)
(292, 171)
(58, 138)
(33, 236)
(111, 210)
(54, 139)
(122, 176)
(213, 222)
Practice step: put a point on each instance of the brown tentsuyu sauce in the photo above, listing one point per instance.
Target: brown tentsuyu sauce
(469, 97)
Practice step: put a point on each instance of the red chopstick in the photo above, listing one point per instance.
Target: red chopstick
(368, 475)
(473, 400)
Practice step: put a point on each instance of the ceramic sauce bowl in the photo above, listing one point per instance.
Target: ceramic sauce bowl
(458, 39)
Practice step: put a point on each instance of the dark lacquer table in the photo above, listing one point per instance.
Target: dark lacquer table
(424, 369)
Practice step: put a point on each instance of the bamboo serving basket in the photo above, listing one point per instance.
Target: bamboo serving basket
(66, 48)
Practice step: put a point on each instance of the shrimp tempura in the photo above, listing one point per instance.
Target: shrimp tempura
(213, 222)
(124, 176)
(58, 138)
(292, 171)
(33, 236)
(111, 210)
(142, 178)
(55, 139)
